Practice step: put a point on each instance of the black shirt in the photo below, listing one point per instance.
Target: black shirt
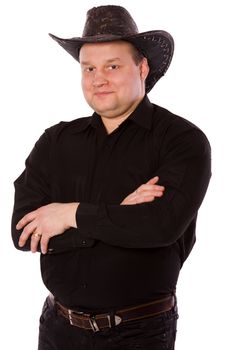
(120, 255)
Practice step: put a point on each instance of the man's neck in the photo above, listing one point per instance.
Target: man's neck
(112, 124)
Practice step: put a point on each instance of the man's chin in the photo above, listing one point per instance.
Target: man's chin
(104, 108)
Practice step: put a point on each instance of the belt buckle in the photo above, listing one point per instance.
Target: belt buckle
(70, 316)
(70, 313)
(95, 327)
(91, 319)
(93, 324)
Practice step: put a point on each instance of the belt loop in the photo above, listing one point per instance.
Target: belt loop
(112, 319)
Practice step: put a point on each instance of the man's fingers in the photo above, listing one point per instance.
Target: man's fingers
(146, 196)
(145, 193)
(35, 240)
(152, 188)
(27, 231)
(158, 193)
(144, 199)
(153, 181)
(25, 220)
(44, 243)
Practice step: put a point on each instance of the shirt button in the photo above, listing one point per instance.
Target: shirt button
(84, 242)
(84, 285)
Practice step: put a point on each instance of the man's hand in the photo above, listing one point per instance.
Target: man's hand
(45, 222)
(145, 193)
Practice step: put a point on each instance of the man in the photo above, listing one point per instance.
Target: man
(111, 200)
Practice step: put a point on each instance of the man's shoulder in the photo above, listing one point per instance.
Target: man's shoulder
(174, 122)
(175, 127)
(69, 127)
(168, 118)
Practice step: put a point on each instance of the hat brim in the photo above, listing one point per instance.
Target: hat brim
(157, 46)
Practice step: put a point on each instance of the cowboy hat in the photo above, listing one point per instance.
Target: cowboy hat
(111, 23)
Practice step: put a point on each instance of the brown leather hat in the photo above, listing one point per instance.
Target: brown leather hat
(110, 23)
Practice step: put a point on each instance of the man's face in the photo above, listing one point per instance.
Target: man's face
(112, 82)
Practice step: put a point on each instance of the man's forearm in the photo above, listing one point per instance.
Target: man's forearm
(46, 222)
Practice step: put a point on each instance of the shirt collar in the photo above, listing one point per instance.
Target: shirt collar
(142, 115)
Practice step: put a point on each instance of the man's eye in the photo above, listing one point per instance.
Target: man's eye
(113, 66)
(89, 69)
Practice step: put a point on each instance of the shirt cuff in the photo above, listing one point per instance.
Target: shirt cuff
(86, 216)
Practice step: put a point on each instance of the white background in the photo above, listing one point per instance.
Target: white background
(40, 85)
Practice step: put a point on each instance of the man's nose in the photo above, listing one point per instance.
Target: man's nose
(99, 78)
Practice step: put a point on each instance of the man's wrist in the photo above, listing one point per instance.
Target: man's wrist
(72, 209)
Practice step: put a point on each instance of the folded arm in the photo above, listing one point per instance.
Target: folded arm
(139, 221)
(54, 219)
(184, 171)
(38, 224)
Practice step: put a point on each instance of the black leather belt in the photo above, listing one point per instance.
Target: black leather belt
(101, 321)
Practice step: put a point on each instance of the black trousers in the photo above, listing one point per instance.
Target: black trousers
(153, 333)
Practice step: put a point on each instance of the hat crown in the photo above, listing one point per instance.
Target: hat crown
(109, 20)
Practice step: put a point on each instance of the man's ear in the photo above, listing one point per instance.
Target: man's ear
(144, 68)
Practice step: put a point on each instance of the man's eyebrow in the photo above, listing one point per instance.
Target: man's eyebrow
(113, 59)
(110, 60)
